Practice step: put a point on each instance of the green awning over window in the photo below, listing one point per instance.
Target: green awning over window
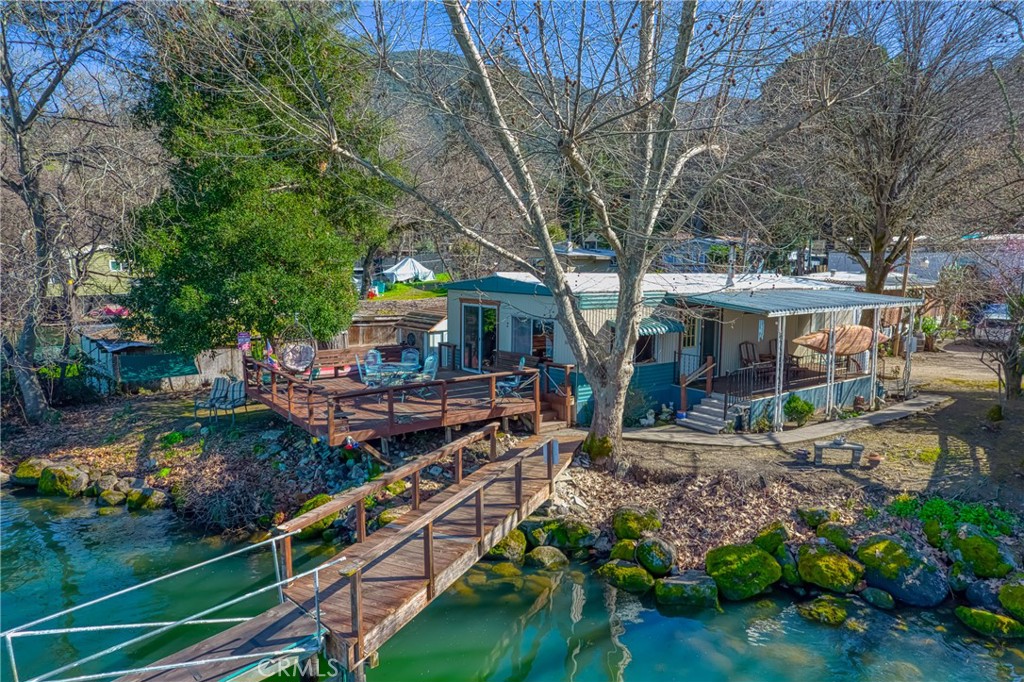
(782, 302)
(652, 326)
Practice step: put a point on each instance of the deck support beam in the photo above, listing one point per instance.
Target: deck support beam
(873, 402)
(780, 367)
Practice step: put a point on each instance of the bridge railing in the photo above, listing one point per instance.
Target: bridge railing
(158, 628)
(354, 497)
(352, 571)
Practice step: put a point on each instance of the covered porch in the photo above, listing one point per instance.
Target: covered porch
(757, 364)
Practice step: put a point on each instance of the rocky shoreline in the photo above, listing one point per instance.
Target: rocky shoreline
(65, 479)
(836, 572)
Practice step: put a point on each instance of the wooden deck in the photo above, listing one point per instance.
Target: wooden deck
(336, 408)
(377, 585)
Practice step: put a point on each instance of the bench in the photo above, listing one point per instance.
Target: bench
(855, 449)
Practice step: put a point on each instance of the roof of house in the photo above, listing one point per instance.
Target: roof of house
(894, 282)
(424, 321)
(780, 302)
(676, 284)
(111, 338)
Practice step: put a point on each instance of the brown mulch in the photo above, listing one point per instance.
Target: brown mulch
(704, 511)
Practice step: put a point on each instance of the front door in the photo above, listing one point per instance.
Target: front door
(711, 329)
(479, 336)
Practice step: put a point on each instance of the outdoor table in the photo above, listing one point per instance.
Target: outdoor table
(854, 448)
(389, 371)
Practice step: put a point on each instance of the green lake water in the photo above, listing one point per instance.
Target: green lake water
(60, 553)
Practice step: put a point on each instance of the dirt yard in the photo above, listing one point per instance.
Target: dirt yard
(953, 450)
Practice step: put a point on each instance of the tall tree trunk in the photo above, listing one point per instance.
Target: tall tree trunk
(368, 259)
(605, 436)
(1014, 372)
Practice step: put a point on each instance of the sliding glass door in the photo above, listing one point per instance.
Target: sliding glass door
(479, 336)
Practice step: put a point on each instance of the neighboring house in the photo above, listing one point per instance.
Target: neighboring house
(687, 319)
(588, 258)
(102, 273)
(137, 362)
(917, 287)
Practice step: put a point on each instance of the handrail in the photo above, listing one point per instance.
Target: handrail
(684, 381)
(350, 497)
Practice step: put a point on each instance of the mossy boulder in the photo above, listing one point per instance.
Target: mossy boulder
(28, 472)
(742, 571)
(550, 558)
(828, 568)
(391, 514)
(110, 498)
(396, 488)
(512, 548)
(990, 624)
(658, 556)
(1011, 597)
(815, 516)
(63, 480)
(896, 567)
(624, 549)
(631, 523)
(145, 499)
(570, 535)
(984, 594)
(960, 576)
(772, 537)
(837, 534)
(315, 529)
(878, 598)
(689, 588)
(626, 576)
(506, 569)
(933, 532)
(826, 609)
(790, 574)
(982, 554)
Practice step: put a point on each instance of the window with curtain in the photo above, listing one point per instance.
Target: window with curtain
(532, 336)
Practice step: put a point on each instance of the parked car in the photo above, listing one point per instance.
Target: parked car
(993, 325)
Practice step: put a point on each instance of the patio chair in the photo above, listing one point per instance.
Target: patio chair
(512, 386)
(411, 355)
(428, 373)
(235, 398)
(748, 354)
(773, 352)
(364, 376)
(218, 391)
(373, 362)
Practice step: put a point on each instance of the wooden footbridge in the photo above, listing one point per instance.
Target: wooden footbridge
(349, 606)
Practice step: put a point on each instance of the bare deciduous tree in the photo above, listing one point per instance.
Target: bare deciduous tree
(635, 105)
(72, 166)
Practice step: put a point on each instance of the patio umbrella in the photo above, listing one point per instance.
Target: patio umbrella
(851, 339)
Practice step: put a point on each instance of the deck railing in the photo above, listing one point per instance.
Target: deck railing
(355, 497)
(392, 410)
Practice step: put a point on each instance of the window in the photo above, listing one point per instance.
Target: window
(688, 338)
(533, 337)
(644, 350)
(116, 266)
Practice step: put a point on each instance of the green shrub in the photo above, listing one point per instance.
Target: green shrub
(171, 439)
(951, 513)
(798, 410)
(995, 413)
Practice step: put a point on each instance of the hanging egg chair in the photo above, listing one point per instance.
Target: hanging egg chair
(297, 347)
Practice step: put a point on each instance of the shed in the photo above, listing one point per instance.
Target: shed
(423, 330)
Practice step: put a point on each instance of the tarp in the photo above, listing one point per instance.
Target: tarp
(851, 339)
(408, 270)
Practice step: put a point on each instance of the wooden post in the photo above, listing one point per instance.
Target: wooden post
(360, 521)
(494, 390)
(291, 396)
(494, 445)
(331, 405)
(536, 407)
(416, 490)
(519, 488)
(480, 520)
(458, 466)
(391, 408)
(428, 558)
(286, 554)
(356, 585)
(682, 392)
(570, 399)
(708, 376)
(273, 385)
(444, 405)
